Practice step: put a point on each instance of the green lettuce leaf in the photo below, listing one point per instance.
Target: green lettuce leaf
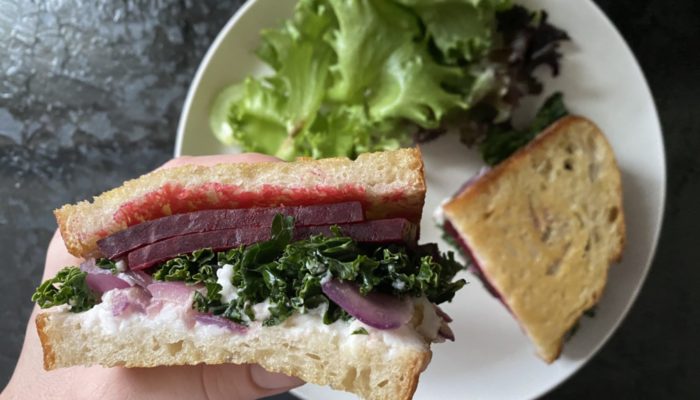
(369, 75)
(270, 115)
(311, 20)
(369, 31)
(462, 30)
(411, 86)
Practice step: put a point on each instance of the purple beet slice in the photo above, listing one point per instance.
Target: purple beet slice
(392, 230)
(149, 255)
(395, 230)
(122, 242)
(477, 268)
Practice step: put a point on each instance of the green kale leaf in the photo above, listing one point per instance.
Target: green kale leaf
(67, 287)
(288, 274)
(360, 331)
(504, 140)
(106, 263)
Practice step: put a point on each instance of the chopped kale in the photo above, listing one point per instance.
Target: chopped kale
(288, 274)
(67, 287)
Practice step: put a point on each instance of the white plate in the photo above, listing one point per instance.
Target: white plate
(601, 79)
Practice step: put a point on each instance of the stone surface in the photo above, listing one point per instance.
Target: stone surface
(90, 94)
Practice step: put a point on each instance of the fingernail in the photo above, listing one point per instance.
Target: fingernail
(272, 380)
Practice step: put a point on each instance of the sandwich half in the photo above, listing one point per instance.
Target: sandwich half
(308, 268)
(542, 228)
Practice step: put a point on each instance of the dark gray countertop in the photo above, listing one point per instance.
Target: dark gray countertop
(90, 94)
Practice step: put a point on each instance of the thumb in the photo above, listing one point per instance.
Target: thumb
(272, 380)
(249, 381)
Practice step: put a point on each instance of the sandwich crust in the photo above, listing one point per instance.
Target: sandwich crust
(545, 225)
(389, 184)
(365, 365)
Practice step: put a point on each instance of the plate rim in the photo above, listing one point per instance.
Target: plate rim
(663, 178)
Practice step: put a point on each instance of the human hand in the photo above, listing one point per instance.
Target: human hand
(228, 381)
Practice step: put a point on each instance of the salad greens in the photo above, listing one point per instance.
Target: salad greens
(288, 274)
(503, 139)
(366, 75)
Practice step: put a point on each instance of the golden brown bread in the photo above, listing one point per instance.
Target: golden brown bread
(367, 365)
(389, 184)
(544, 225)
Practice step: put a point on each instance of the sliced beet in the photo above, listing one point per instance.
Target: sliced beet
(155, 253)
(122, 242)
(477, 268)
(395, 230)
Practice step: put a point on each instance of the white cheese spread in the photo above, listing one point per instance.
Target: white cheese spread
(224, 275)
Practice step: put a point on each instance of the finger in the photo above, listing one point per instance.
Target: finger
(274, 381)
(220, 159)
(249, 381)
(57, 256)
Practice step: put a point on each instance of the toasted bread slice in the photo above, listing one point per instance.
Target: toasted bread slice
(389, 184)
(544, 226)
(382, 365)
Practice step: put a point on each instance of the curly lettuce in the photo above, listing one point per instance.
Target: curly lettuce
(366, 75)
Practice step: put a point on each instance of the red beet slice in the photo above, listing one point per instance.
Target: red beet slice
(396, 230)
(477, 268)
(122, 242)
(152, 254)
(393, 230)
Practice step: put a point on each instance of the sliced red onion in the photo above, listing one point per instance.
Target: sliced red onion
(175, 292)
(209, 319)
(134, 299)
(101, 283)
(101, 280)
(140, 278)
(154, 308)
(378, 310)
(442, 314)
(446, 332)
(90, 267)
(188, 315)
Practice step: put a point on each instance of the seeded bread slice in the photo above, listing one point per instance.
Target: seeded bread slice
(544, 226)
(389, 184)
(363, 364)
